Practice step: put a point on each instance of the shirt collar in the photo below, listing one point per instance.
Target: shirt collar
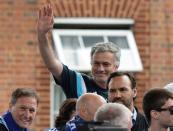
(134, 114)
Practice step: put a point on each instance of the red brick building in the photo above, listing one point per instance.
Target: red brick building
(21, 64)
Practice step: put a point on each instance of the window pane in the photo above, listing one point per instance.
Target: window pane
(71, 57)
(73, 44)
(70, 42)
(121, 41)
(91, 40)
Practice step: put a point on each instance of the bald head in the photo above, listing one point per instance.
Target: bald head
(87, 105)
(114, 113)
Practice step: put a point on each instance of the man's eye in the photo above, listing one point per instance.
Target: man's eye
(112, 91)
(123, 89)
(32, 110)
(22, 108)
(106, 64)
(96, 64)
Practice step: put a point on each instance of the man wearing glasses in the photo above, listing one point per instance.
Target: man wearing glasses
(158, 108)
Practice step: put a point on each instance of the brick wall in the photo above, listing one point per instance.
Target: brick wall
(161, 42)
(22, 66)
(20, 61)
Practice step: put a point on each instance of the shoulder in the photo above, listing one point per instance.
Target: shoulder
(72, 123)
(141, 118)
(139, 114)
(70, 126)
(2, 125)
(67, 78)
(141, 123)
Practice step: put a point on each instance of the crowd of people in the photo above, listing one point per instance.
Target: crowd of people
(107, 96)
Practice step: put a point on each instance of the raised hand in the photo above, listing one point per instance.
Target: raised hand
(45, 19)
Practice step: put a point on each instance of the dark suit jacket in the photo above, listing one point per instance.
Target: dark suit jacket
(3, 128)
(140, 123)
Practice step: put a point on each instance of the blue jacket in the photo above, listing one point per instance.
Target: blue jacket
(8, 122)
(73, 123)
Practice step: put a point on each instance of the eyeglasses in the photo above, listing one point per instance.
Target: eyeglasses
(170, 109)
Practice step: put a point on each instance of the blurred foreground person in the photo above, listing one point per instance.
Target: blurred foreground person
(115, 114)
(86, 106)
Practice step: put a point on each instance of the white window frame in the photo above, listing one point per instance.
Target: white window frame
(54, 110)
(125, 53)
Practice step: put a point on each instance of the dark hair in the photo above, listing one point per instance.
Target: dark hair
(65, 112)
(155, 99)
(23, 92)
(117, 74)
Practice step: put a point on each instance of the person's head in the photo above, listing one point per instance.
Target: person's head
(122, 88)
(169, 87)
(23, 106)
(105, 59)
(116, 114)
(158, 107)
(87, 104)
(66, 111)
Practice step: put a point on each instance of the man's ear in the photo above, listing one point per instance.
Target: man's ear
(154, 114)
(10, 106)
(83, 112)
(116, 67)
(134, 92)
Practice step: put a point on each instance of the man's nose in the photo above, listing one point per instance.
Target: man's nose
(100, 67)
(117, 94)
(28, 113)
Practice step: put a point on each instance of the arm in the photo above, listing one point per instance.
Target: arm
(45, 24)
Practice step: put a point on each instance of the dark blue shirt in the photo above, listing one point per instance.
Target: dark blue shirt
(73, 123)
(75, 84)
